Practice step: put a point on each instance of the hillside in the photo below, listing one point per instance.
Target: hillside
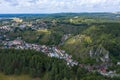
(97, 42)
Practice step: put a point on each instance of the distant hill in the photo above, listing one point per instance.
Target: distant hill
(60, 15)
(21, 15)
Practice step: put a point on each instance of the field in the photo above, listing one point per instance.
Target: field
(14, 77)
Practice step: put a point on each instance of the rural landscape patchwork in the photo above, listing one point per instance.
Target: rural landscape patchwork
(59, 43)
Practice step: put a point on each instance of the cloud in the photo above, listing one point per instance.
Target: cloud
(51, 6)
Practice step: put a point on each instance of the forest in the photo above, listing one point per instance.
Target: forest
(39, 65)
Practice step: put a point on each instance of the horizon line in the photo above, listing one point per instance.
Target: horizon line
(62, 12)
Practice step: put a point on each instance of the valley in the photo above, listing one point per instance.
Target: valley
(72, 41)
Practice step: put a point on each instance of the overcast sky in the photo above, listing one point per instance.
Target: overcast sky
(57, 6)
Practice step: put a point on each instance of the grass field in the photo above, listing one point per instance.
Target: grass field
(14, 77)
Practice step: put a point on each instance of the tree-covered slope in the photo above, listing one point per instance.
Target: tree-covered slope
(40, 67)
(96, 41)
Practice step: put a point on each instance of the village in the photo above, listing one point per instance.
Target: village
(52, 51)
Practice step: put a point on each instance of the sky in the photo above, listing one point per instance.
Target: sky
(58, 6)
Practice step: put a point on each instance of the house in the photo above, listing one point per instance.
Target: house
(103, 70)
(118, 63)
(22, 26)
(53, 55)
(5, 28)
(17, 42)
